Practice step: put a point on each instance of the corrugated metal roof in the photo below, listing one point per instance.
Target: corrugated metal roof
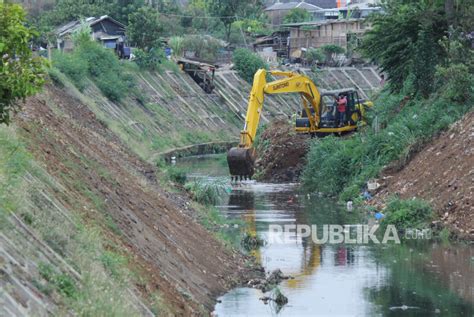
(292, 5)
(73, 26)
(317, 23)
(324, 4)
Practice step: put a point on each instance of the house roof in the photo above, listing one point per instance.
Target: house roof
(73, 26)
(292, 5)
(361, 6)
(318, 23)
(325, 4)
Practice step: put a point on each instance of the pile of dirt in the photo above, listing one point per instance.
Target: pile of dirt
(180, 259)
(442, 174)
(281, 153)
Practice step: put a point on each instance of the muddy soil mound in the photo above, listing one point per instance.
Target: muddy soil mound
(443, 174)
(281, 153)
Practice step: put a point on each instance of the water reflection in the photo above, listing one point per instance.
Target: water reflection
(412, 279)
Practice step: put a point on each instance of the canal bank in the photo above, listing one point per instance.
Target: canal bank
(416, 277)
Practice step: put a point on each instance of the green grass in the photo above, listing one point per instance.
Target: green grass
(228, 231)
(63, 283)
(408, 214)
(176, 174)
(114, 263)
(14, 163)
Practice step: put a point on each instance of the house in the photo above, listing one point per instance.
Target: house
(359, 10)
(316, 34)
(276, 44)
(279, 10)
(326, 14)
(353, 10)
(104, 29)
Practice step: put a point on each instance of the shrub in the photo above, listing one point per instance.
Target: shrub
(247, 63)
(73, 67)
(458, 82)
(177, 175)
(100, 64)
(205, 47)
(206, 192)
(408, 214)
(105, 69)
(315, 55)
(331, 49)
(177, 45)
(151, 59)
(330, 160)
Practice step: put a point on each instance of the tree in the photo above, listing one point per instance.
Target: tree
(21, 73)
(69, 10)
(297, 15)
(123, 8)
(145, 28)
(404, 41)
(315, 55)
(228, 11)
(177, 45)
(247, 63)
(330, 50)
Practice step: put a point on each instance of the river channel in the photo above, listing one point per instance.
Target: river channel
(418, 277)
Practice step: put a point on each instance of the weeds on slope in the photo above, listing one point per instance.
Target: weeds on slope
(90, 59)
(341, 167)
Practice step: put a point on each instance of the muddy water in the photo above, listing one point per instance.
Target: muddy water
(414, 278)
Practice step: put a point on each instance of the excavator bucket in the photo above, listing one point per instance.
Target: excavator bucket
(241, 162)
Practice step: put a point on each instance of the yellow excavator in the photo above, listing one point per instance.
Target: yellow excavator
(318, 115)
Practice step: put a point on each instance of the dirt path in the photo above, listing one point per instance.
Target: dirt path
(442, 174)
(179, 258)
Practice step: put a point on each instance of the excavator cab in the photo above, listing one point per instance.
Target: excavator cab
(328, 113)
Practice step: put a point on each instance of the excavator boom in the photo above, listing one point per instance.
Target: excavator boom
(241, 159)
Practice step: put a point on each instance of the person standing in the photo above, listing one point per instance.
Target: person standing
(341, 110)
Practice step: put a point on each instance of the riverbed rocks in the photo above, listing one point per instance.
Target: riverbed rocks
(270, 282)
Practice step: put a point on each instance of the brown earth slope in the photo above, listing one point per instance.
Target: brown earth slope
(158, 230)
(442, 174)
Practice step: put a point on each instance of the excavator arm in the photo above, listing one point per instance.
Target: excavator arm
(241, 159)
